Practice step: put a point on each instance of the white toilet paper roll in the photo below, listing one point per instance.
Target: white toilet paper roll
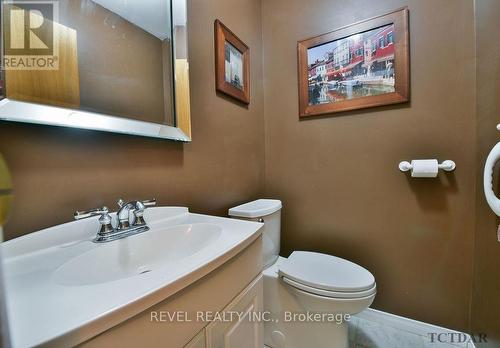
(424, 168)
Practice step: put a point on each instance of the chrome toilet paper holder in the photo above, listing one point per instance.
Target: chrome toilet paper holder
(447, 166)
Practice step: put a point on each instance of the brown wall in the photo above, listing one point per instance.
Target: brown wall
(58, 170)
(338, 176)
(486, 301)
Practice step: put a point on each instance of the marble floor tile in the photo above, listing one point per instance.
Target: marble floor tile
(370, 334)
(352, 326)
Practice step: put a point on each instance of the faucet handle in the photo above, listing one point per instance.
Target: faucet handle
(139, 213)
(105, 220)
(149, 202)
(89, 213)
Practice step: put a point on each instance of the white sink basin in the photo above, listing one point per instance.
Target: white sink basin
(63, 289)
(136, 255)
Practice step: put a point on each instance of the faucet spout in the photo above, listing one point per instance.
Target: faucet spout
(123, 214)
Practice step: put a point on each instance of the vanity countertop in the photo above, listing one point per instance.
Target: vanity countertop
(63, 289)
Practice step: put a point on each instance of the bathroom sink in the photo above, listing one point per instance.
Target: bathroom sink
(137, 255)
(62, 288)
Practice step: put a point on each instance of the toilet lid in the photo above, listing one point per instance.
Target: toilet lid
(326, 272)
(332, 294)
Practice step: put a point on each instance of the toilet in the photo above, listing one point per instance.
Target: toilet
(310, 296)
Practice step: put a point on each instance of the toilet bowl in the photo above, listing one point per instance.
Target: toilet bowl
(310, 296)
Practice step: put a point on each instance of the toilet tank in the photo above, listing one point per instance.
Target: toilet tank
(267, 211)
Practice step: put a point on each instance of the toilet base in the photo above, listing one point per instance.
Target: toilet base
(294, 335)
(301, 320)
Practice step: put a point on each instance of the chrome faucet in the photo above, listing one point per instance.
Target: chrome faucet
(107, 232)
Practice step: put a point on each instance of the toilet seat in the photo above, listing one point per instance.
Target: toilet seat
(326, 275)
(331, 294)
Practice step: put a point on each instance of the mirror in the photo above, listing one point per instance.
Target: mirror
(111, 65)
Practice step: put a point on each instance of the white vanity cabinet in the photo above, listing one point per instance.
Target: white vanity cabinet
(236, 286)
(246, 332)
(240, 326)
(145, 290)
(199, 341)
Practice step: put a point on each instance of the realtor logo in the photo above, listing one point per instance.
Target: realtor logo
(31, 40)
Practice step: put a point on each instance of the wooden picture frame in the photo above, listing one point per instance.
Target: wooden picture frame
(232, 64)
(363, 65)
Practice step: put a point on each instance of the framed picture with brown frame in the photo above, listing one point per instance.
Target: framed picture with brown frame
(362, 65)
(232, 64)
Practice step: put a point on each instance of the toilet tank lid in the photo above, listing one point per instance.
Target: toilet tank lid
(255, 209)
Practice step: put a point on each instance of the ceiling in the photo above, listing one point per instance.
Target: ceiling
(152, 16)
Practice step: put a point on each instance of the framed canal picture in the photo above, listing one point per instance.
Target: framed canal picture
(359, 66)
(232, 62)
